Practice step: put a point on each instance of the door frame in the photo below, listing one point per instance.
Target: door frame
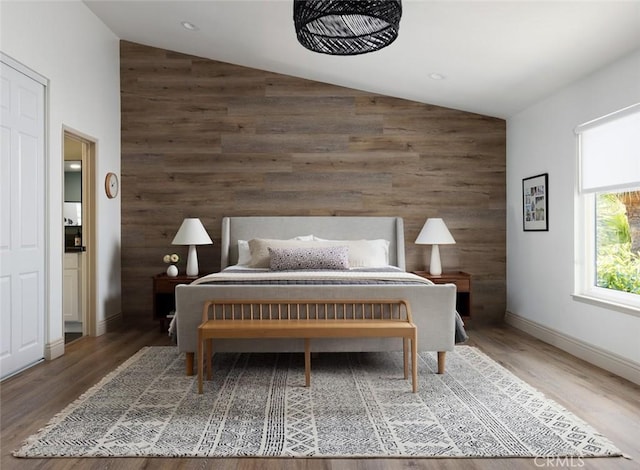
(89, 235)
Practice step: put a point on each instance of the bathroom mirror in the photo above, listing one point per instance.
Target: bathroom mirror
(72, 214)
(72, 181)
(72, 209)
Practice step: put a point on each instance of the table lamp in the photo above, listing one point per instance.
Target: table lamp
(192, 233)
(435, 232)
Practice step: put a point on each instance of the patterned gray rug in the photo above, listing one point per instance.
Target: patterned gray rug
(357, 405)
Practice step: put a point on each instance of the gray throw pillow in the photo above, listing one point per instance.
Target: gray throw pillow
(321, 258)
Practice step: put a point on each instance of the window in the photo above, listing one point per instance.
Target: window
(608, 210)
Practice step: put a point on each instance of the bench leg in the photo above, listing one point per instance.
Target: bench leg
(188, 363)
(414, 362)
(307, 362)
(441, 361)
(200, 361)
(405, 356)
(209, 353)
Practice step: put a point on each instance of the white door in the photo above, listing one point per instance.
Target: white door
(22, 222)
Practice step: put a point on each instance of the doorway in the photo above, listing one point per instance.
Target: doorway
(78, 298)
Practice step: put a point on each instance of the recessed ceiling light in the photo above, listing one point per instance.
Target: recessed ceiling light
(189, 26)
(75, 166)
(436, 76)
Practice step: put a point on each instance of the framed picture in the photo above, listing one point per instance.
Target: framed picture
(535, 203)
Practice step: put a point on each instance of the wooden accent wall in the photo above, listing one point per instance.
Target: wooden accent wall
(208, 139)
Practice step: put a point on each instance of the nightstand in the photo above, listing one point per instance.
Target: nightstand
(164, 297)
(462, 281)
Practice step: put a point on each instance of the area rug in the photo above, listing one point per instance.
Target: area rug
(358, 405)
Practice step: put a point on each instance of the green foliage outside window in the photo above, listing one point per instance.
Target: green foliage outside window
(618, 267)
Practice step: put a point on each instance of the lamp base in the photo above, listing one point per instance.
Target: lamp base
(192, 261)
(435, 268)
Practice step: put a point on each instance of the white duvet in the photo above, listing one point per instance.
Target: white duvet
(267, 275)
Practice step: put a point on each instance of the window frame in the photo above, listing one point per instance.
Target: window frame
(585, 257)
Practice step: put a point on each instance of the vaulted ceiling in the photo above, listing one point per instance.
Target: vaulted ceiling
(491, 57)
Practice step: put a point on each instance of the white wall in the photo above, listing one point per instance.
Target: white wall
(540, 265)
(66, 43)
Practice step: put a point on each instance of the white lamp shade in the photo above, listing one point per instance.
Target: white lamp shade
(191, 232)
(435, 232)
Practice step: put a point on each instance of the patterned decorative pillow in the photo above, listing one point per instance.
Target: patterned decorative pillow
(287, 259)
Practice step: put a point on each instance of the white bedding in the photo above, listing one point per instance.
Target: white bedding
(249, 274)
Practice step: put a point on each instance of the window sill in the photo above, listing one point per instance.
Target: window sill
(606, 303)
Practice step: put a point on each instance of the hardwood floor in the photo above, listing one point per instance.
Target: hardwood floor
(609, 403)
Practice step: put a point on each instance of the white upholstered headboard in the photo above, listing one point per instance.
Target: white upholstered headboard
(336, 228)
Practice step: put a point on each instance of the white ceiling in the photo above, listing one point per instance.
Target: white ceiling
(497, 57)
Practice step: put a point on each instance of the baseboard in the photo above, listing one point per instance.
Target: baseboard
(109, 324)
(54, 349)
(592, 354)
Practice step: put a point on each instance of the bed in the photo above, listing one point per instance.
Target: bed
(433, 305)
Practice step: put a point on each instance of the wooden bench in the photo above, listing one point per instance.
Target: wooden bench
(306, 319)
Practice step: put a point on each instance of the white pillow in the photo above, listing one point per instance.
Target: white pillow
(244, 253)
(364, 253)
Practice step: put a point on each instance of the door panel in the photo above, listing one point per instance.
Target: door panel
(30, 223)
(5, 183)
(5, 320)
(30, 334)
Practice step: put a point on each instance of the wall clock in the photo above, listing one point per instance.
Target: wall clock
(111, 185)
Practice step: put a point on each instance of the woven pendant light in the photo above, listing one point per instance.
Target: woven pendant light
(346, 27)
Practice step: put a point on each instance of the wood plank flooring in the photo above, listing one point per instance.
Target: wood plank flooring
(609, 403)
